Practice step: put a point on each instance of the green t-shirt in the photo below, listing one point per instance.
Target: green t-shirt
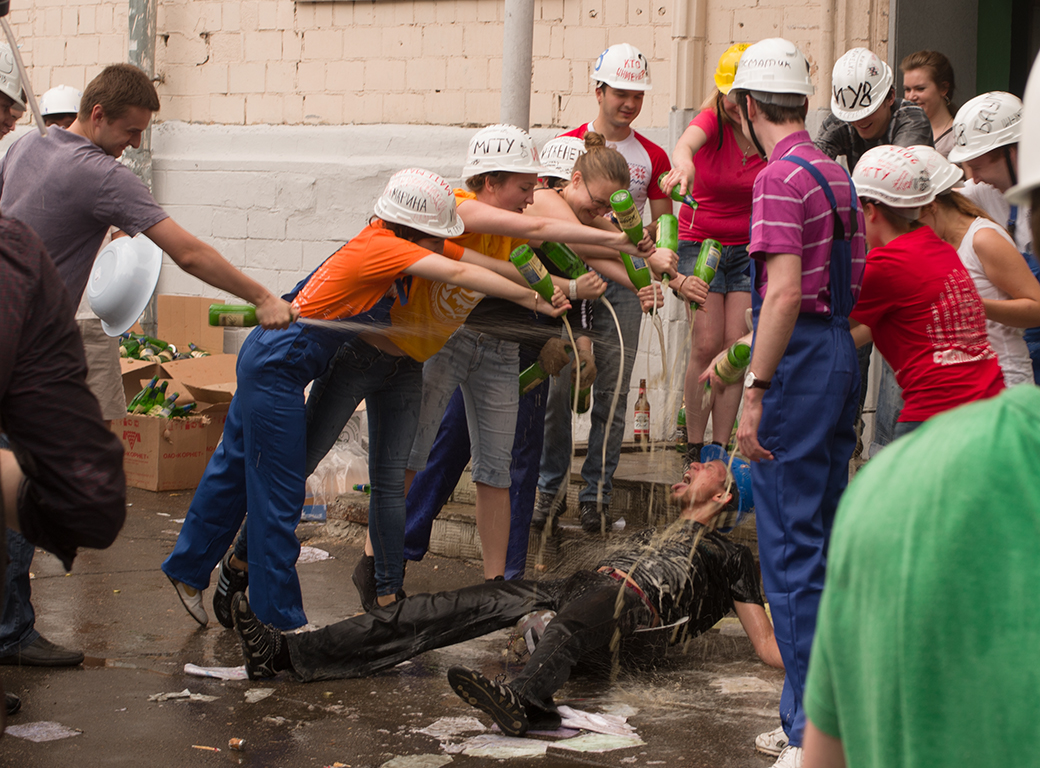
(927, 649)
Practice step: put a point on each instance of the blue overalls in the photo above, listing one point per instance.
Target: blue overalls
(808, 424)
(1032, 335)
(259, 467)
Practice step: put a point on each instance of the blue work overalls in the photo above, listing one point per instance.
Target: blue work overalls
(808, 424)
(259, 467)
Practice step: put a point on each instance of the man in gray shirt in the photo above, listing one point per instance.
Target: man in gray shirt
(70, 187)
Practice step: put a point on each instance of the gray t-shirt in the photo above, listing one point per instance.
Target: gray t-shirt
(908, 127)
(69, 191)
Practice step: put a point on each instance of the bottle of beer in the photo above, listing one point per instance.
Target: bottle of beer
(152, 396)
(181, 411)
(533, 271)
(676, 193)
(731, 367)
(532, 376)
(642, 414)
(628, 216)
(566, 260)
(707, 262)
(668, 232)
(362, 488)
(236, 315)
(194, 351)
(144, 393)
(164, 410)
(680, 430)
(638, 270)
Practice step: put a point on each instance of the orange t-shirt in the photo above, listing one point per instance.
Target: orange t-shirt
(359, 274)
(435, 310)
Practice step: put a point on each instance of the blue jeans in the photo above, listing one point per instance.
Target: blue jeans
(732, 275)
(17, 622)
(432, 487)
(392, 387)
(556, 448)
(486, 370)
(889, 406)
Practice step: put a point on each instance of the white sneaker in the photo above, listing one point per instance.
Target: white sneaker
(791, 757)
(192, 600)
(771, 743)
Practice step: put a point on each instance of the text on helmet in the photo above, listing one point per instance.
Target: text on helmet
(501, 146)
(859, 97)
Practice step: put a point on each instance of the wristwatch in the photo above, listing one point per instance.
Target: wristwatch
(751, 381)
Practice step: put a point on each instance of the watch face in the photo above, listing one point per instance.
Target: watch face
(749, 379)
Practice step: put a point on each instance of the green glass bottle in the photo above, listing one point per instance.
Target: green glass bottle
(151, 396)
(638, 270)
(164, 409)
(531, 377)
(182, 411)
(668, 232)
(707, 262)
(196, 352)
(533, 271)
(676, 192)
(628, 216)
(362, 488)
(144, 393)
(565, 259)
(732, 366)
(680, 430)
(236, 315)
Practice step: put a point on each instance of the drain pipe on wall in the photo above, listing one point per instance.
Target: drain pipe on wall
(517, 47)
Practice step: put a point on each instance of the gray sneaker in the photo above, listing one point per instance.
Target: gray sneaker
(593, 520)
(547, 508)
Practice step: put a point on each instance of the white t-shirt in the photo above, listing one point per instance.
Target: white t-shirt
(1006, 341)
(992, 201)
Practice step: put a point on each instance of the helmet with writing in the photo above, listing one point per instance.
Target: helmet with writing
(943, 174)
(1028, 151)
(622, 66)
(987, 122)
(894, 176)
(421, 200)
(501, 148)
(775, 72)
(727, 68)
(60, 100)
(860, 83)
(10, 80)
(558, 156)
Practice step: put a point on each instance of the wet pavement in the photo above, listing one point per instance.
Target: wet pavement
(701, 708)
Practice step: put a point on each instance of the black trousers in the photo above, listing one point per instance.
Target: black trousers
(589, 608)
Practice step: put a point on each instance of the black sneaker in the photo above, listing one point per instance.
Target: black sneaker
(230, 581)
(547, 508)
(261, 644)
(12, 703)
(364, 579)
(496, 699)
(592, 520)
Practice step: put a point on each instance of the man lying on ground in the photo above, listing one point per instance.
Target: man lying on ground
(687, 571)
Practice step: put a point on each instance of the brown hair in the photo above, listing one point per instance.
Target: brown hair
(774, 113)
(403, 231)
(899, 222)
(118, 88)
(476, 183)
(955, 201)
(939, 69)
(602, 162)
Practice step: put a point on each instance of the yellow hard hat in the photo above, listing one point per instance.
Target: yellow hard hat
(727, 68)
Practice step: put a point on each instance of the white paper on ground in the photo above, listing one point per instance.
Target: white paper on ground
(599, 742)
(500, 747)
(312, 555)
(446, 727)
(258, 694)
(221, 673)
(417, 761)
(42, 731)
(184, 695)
(577, 719)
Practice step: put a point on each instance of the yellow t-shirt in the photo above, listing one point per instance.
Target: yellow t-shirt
(435, 310)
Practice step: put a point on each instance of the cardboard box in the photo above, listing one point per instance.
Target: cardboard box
(163, 454)
(185, 319)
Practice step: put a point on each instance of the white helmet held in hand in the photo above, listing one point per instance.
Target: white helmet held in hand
(775, 72)
(622, 66)
(860, 83)
(60, 100)
(501, 148)
(1028, 151)
(558, 156)
(421, 200)
(943, 174)
(985, 123)
(10, 80)
(896, 177)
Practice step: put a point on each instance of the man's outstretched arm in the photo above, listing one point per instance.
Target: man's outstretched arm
(760, 631)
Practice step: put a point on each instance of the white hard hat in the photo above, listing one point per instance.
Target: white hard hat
(775, 72)
(558, 156)
(122, 280)
(943, 174)
(10, 80)
(422, 200)
(987, 122)
(1028, 151)
(860, 84)
(60, 100)
(894, 176)
(501, 148)
(622, 66)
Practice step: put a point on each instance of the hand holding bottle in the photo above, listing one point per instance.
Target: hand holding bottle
(664, 262)
(554, 356)
(587, 364)
(590, 286)
(651, 297)
(682, 175)
(273, 312)
(691, 288)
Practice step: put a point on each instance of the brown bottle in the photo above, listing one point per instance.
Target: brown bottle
(642, 416)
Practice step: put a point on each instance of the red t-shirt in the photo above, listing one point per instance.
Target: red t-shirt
(928, 322)
(723, 186)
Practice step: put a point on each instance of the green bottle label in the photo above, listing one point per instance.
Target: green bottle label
(638, 271)
(668, 232)
(533, 271)
(234, 315)
(531, 377)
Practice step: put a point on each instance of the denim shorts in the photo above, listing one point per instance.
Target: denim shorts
(487, 369)
(731, 276)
